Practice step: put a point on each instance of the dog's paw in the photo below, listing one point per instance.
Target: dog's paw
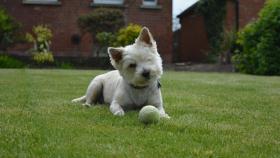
(165, 116)
(119, 113)
(75, 100)
(87, 105)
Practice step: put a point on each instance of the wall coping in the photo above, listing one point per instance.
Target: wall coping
(92, 4)
(153, 7)
(39, 2)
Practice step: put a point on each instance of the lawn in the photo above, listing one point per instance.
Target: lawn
(213, 115)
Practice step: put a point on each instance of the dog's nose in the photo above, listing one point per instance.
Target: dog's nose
(146, 73)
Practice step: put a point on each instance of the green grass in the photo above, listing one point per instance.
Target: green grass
(213, 115)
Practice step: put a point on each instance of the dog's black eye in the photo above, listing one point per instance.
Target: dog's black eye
(132, 65)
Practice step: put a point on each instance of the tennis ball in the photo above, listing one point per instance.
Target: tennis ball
(149, 114)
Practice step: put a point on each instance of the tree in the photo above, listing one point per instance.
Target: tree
(9, 29)
(101, 20)
(259, 43)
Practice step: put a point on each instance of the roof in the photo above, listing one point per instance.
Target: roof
(188, 9)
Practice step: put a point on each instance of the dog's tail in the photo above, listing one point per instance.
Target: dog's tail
(79, 100)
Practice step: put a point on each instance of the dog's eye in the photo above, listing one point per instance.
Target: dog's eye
(132, 65)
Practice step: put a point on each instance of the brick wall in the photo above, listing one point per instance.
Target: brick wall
(230, 18)
(63, 21)
(248, 10)
(193, 42)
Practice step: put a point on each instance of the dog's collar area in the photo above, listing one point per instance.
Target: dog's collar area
(143, 87)
(138, 87)
(158, 84)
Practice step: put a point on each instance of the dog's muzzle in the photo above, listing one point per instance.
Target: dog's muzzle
(146, 74)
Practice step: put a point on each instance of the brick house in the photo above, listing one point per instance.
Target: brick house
(192, 37)
(62, 15)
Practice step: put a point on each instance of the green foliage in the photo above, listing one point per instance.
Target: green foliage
(213, 12)
(10, 62)
(229, 39)
(259, 43)
(101, 20)
(102, 23)
(64, 65)
(127, 35)
(123, 37)
(8, 30)
(43, 57)
(41, 38)
(42, 33)
(105, 38)
(227, 46)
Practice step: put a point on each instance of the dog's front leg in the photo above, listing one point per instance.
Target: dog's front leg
(162, 112)
(116, 109)
(156, 100)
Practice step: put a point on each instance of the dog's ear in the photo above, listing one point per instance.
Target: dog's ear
(116, 55)
(145, 36)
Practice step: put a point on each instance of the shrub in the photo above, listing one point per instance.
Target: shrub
(41, 38)
(99, 24)
(259, 43)
(127, 35)
(43, 57)
(9, 29)
(227, 46)
(101, 20)
(123, 37)
(105, 38)
(9, 62)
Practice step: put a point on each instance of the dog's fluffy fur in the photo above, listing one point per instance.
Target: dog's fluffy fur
(134, 83)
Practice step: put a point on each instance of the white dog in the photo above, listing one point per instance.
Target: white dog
(135, 83)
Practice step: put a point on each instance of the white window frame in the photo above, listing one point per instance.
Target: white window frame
(148, 3)
(114, 2)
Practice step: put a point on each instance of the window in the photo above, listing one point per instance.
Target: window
(108, 1)
(150, 2)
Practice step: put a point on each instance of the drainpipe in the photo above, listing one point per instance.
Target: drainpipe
(237, 15)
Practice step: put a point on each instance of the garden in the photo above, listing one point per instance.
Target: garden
(111, 32)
